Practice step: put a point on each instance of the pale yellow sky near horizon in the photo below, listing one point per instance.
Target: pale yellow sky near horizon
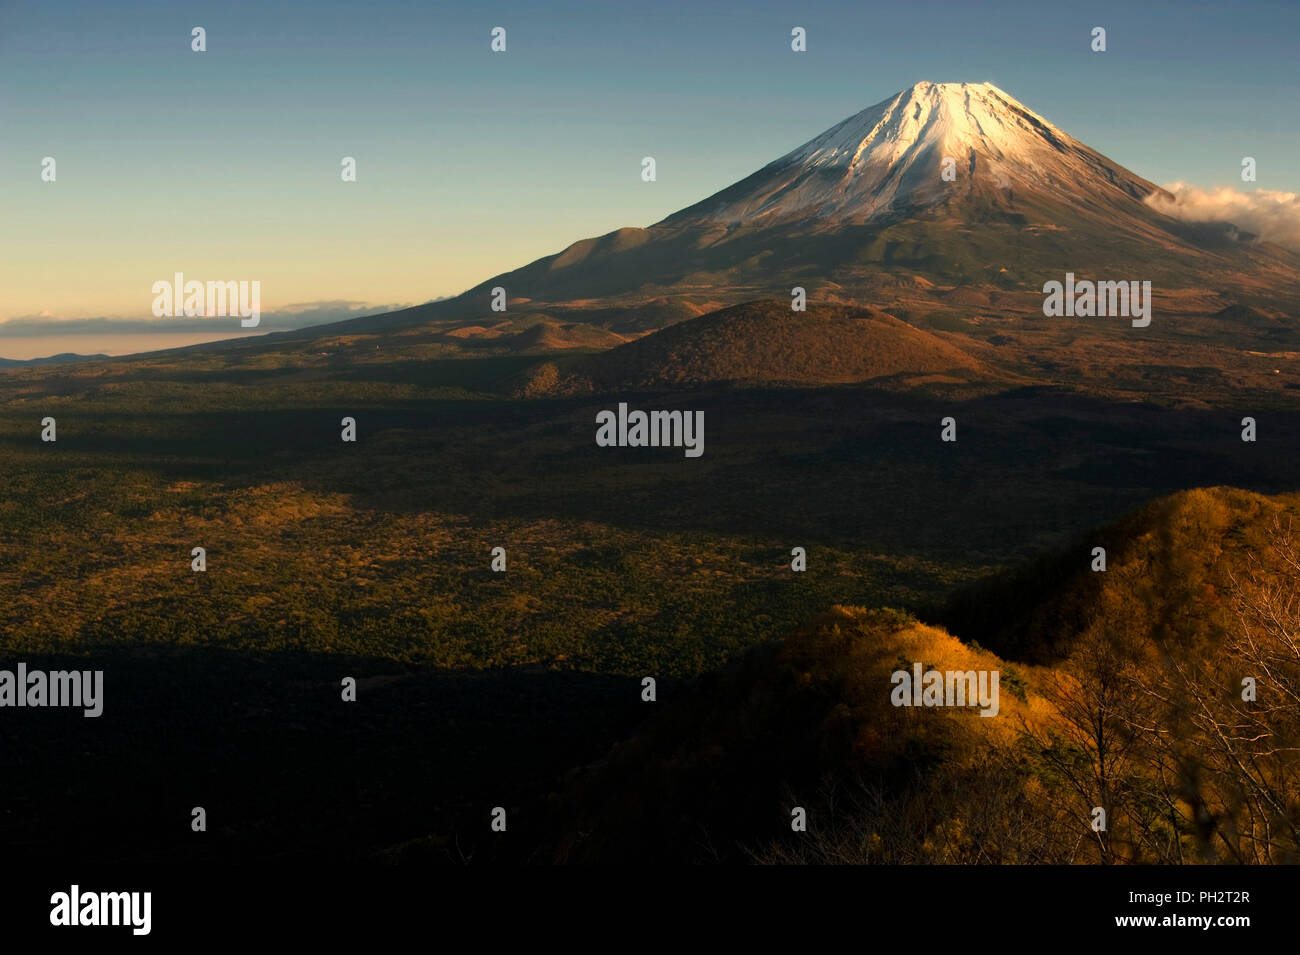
(87, 279)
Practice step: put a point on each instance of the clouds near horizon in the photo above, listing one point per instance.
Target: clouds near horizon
(1273, 216)
(300, 315)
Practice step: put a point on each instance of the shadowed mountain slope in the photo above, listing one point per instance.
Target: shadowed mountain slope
(766, 342)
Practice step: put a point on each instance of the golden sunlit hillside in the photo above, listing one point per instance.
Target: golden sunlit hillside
(1171, 703)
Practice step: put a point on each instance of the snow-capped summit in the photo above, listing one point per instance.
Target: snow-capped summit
(889, 160)
(957, 116)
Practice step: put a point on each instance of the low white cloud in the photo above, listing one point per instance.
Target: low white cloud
(1273, 216)
(298, 315)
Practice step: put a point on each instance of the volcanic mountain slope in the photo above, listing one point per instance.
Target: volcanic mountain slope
(765, 342)
(865, 208)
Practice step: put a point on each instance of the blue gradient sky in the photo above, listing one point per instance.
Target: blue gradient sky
(226, 164)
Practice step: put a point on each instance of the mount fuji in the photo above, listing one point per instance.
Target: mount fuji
(942, 189)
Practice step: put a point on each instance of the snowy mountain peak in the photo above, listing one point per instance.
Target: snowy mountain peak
(931, 145)
(956, 116)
